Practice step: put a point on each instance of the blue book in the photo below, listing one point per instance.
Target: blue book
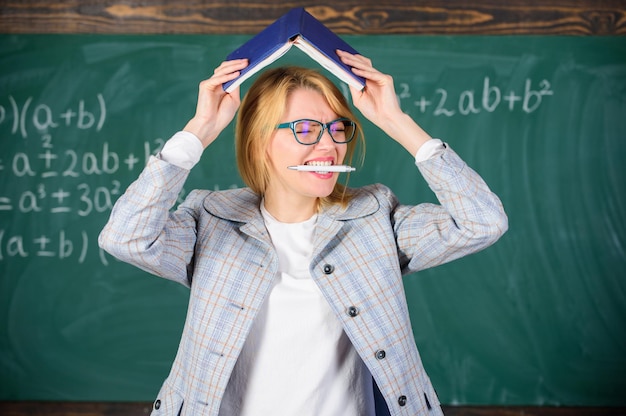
(301, 29)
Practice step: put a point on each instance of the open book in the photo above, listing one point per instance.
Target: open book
(298, 28)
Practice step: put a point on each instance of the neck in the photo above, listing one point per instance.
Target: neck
(290, 211)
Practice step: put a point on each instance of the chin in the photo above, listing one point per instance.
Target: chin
(324, 194)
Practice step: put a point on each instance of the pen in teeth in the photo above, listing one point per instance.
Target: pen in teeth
(329, 168)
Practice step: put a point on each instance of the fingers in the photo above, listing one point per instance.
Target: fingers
(362, 66)
(354, 60)
(358, 62)
(226, 71)
(227, 67)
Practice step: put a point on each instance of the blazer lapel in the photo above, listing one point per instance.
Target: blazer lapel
(332, 219)
(239, 205)
(242, 205)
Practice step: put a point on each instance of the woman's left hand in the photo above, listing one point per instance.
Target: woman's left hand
(377, 101)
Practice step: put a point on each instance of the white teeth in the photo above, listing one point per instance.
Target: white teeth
(319, 163)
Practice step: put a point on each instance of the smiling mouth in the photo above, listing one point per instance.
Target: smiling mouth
(319, 163)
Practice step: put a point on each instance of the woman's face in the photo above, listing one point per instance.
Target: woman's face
(293, 187)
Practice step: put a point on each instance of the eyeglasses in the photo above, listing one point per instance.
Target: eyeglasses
(309, 132)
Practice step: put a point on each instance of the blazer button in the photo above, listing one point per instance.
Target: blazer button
(380, 354)
(328, 268)
(353, 311)
(157, 404)
(402, 400)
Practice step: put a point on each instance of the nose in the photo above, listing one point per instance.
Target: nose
(326, 140)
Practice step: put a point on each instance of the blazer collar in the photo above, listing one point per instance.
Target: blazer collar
(242, 205)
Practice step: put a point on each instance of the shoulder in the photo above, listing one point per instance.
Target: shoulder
(381, 192)
(233, 204)
(378, 191)
(365, 201)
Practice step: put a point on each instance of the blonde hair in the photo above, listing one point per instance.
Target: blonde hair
(260, 112)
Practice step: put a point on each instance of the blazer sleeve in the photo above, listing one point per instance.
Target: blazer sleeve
(469, 218)
(144, 232)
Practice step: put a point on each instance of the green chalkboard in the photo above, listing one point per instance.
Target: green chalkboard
(539, 318)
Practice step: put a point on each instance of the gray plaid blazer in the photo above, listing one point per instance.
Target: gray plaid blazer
(216, 244)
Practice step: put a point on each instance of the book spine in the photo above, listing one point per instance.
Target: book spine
(327, 42)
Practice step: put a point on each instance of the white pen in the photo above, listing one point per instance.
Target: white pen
(331, 168)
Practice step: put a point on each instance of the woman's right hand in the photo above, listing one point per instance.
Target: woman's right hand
(216, 108)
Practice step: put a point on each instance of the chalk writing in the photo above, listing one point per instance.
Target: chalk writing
(59, 246)
(25, 115)
(48, 163)
(469, 102)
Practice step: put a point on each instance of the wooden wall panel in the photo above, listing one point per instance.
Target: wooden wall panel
(493, 17)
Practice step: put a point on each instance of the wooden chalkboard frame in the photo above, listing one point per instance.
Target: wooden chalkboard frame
(485, 17)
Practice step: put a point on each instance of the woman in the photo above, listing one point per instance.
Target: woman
(297, 305)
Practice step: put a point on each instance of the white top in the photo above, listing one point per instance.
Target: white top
(297, 359)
